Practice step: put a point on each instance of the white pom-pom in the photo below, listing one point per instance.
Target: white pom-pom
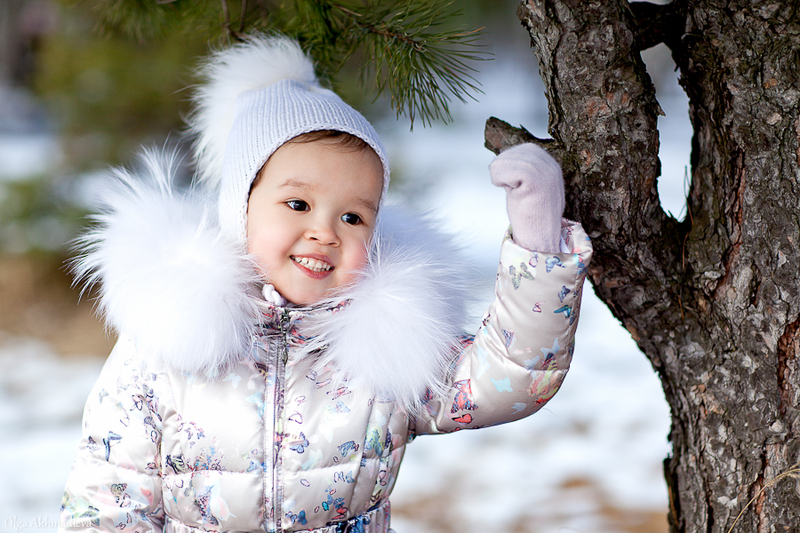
(260, 62)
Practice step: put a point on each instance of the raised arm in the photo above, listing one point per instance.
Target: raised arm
(521, 353)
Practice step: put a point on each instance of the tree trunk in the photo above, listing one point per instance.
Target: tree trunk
(713, 300)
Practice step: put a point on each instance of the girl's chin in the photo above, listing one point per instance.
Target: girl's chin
(305, 302)
(304, 298)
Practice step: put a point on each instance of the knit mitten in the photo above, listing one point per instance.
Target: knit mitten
(534, 196)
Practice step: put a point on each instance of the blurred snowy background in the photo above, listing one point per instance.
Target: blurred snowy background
(591, 461)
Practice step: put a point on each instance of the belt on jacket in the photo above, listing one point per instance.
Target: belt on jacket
(375, 520)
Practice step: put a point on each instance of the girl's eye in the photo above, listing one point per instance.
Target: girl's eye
(351, 218)
(297, 205)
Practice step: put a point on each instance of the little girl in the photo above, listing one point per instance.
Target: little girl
(284, 335)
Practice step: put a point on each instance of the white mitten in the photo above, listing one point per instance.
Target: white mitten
(534, 195)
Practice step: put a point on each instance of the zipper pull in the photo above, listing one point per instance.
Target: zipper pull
(284, 320)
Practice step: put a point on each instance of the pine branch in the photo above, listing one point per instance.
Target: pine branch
(406, 48)
(419, 66)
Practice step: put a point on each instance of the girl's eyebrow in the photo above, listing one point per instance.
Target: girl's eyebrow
(367, 204)
(294, 183)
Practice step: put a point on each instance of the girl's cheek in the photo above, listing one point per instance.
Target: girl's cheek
(358, 263)
(364, 252)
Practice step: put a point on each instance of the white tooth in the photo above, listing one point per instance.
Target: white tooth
(320, 266)
(313, 264)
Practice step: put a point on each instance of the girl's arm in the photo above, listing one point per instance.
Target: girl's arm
(115, 482)
(521, 353)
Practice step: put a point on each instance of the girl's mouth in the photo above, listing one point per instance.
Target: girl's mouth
(314, 267)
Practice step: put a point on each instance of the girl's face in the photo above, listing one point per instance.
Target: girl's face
(311, 216)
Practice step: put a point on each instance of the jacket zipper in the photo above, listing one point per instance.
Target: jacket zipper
(277, 422)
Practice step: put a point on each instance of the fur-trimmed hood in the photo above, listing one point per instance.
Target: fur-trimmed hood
(189, 299)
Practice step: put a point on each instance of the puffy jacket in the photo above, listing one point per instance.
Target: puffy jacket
(301, 425)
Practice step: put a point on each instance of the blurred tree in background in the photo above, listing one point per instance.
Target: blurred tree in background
(109, 94)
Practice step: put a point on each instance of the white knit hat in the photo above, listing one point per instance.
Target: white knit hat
(259, 95)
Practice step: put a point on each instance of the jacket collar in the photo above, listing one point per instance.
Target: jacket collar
(187, 298)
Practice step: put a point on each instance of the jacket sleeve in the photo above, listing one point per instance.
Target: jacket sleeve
(522, 351)
(115, 482)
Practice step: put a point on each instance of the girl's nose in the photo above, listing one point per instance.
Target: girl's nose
(323, 233)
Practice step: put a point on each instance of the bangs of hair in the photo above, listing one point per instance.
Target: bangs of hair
(336, 138)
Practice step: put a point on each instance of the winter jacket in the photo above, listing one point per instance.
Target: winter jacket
(237, 415)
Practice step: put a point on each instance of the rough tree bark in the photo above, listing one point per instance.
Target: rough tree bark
(712, 301)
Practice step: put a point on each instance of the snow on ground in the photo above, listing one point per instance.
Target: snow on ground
(590, 461)
(41, 401)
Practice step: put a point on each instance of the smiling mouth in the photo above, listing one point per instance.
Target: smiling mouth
(313, 265)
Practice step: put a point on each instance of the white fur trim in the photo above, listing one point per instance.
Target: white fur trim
(396, 336)
(260, 62)
(185, 296)
(169, 282)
